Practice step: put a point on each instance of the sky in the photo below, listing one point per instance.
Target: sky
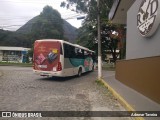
(15, 13)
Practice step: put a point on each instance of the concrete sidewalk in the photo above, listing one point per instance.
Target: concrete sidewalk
(131, 99)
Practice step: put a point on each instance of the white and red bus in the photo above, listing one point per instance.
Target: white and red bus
(60, 58)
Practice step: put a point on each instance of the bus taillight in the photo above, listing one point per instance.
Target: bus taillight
(59, 66)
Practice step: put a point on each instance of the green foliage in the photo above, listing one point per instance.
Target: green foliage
(100, 83)
(48, 25)
(49, 12)
(108, 67)
(30, 52)
(88, 32)
(8, 38)
(87, 6)
(80, 5)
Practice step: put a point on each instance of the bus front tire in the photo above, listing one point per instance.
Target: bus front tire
(79, 72)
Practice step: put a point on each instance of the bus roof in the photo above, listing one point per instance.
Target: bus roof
(62, 41)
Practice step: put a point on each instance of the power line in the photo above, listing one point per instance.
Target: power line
(31, 2)
(21, 17)
(55, 22)
(66, 18)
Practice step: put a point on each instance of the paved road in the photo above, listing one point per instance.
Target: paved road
(21, 90)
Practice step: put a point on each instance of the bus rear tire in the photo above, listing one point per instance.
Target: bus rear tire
(79, 72)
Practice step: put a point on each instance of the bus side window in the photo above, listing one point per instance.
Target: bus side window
(85, 54)
(69, 51)
(93, 57)
(79, 53)
(82, 54)
(76, 51)
(66, 51)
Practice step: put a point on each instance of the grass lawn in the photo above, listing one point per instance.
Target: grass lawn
(109, 67)
(15, 64)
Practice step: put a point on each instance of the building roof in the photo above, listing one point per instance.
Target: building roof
(14, 48)
(118, 12)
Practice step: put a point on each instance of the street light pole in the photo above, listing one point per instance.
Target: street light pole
(99, 44)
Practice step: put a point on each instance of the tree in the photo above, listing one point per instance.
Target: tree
(8, 38)
(88, 32)
(86, 6)
(112, 35)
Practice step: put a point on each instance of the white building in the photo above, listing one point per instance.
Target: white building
(13, 54)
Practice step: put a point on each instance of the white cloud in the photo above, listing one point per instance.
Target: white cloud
(15, 13)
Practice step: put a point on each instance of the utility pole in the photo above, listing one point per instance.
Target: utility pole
(99, 43)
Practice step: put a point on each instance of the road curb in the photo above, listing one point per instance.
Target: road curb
(120, 99)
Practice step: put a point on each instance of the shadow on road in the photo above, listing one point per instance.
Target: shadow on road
(63, 79)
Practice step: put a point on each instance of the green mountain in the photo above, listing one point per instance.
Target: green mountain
(70, 32)
(8, 38)
(47, 25)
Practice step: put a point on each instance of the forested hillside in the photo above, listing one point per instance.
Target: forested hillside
(47, 25)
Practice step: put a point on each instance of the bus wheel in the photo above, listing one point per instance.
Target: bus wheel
(79, 72)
